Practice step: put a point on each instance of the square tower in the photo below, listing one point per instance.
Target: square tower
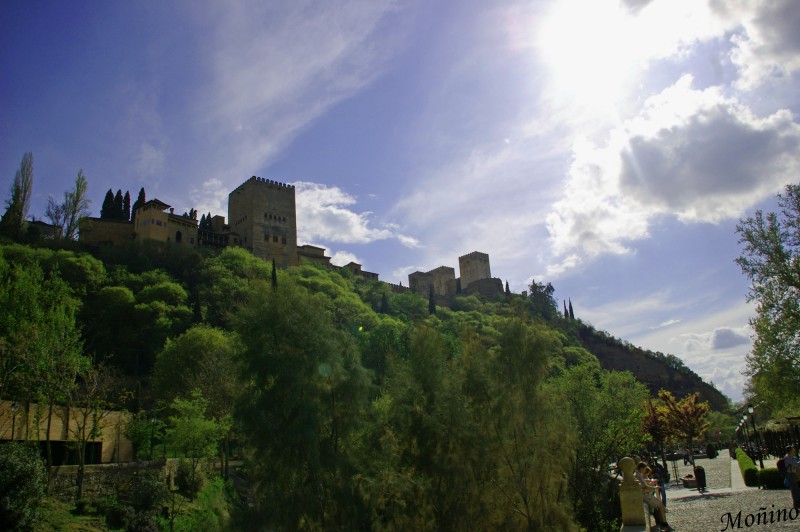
(263, 214)
(473, 267)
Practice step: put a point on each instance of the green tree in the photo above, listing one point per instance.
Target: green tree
(107, 210)
(140, 200)
(118, 205)
(302, 408)
(686, 418)
(22, 485)
(65, 215)
(192, 433)
(541, 301)
(206, 359)
(606, 412)
(20, 198)
(771, 260)
(126, 206)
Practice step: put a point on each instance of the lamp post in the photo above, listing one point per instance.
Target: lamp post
(14, 408)
(751, 409)
(746, 434)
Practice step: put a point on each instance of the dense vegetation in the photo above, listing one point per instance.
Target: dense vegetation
(354, 407)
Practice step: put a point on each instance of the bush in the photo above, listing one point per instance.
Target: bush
(748, 468)
(188, 483)
(22, 484)
(146, 491)
(771, 478)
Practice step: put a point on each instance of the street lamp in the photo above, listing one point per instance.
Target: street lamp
(746, 434)
(751, 409)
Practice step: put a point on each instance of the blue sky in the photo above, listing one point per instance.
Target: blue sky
(608, 147)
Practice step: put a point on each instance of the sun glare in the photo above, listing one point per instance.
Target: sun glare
(590, 52)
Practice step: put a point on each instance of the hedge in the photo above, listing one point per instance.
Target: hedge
(747, 467)
(771, 478)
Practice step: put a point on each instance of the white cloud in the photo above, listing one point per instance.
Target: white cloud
(341, 258)
(211, 197)
(323, 214)
(767, 45)
(694, 154)
(150, 160)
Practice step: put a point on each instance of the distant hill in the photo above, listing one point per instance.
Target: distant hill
(655, 370)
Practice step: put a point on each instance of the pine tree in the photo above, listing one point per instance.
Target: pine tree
(118, 205)
(107, 210)
(126, 206)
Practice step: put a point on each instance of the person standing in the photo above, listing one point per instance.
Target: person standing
(792, 473)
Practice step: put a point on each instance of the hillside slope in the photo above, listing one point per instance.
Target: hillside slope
(653, 369)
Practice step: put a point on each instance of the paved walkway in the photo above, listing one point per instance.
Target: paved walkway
(725, 500)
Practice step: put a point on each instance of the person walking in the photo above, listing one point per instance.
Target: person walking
(792, 473)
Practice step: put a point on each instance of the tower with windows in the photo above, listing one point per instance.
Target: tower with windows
(263, 213)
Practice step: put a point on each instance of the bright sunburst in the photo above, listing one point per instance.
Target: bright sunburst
(590, 52)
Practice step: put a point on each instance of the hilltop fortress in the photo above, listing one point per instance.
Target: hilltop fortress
(262, 217)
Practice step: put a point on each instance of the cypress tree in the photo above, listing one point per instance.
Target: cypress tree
(384, 304)
(274, 276)
(508, 290)
(571, 313)
(431, 301)
(126, 206)
(566, 314)
(107, 210)
(138, 203)
(118, 205)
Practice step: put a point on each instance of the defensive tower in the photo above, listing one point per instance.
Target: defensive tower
(473, 267)
(264, 215)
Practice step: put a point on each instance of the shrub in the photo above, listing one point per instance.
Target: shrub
(189, 484)
(146, 491)
(22, 484)
(747, 467)
(771, 478)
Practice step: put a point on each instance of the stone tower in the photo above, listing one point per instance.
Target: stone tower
(262, 212)
(473, 267)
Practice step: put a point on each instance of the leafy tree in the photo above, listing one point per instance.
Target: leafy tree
(541, 301)
(686, 418)
(89, 404)
(19, 201)
(771, 260)
(107, 210)
(206, 359)
(75, 206)
(301, 411)
(606, 413)
(41, 342)
(22, 485)
(192, 433)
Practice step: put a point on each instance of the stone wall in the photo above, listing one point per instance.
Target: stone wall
(106, 480)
